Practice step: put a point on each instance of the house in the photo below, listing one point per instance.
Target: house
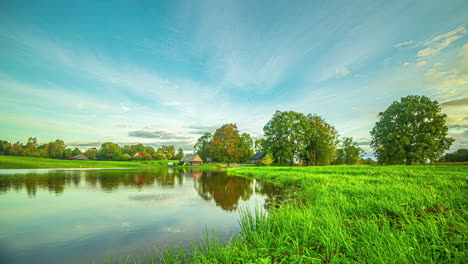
(139, 154)
(257, 158)
(191, 160)
(79, 157)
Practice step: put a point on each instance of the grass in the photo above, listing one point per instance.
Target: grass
(348, 214)
(15, 162)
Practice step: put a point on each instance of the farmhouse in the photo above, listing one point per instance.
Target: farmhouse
(139, 154)
(79, 157)
(191, 160)
(257, 158)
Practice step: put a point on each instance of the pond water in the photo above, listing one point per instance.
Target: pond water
(77, 216)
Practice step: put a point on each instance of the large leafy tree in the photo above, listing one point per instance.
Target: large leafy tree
(411, 130)
(291, 135)
(283, 137)
(202, 147)
(226, 144)
(109, 151)
(246, 145)
(320, 141)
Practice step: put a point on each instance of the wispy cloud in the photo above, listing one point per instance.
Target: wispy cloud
(440, 42)
(342, 72)
(154, 134)
(404, 43)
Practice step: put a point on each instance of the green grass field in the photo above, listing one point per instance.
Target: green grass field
(15, 162)
(350, 214)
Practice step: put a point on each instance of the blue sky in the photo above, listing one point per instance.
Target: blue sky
(164, 72)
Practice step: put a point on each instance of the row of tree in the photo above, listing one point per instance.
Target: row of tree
(108, 151)
(290, 138)
(412, 130)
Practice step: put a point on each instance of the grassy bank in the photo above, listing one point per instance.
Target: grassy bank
(351, 214)
(15, 162)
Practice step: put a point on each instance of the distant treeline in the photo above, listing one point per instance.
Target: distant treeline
(460, 155)
(108, 151)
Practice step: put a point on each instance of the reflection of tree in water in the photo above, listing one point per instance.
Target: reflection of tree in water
(273, 192)
(224, 190)
(108, 180)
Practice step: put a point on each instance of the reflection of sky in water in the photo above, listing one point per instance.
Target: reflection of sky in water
(49, 217)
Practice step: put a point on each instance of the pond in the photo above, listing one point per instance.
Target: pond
(77, 216)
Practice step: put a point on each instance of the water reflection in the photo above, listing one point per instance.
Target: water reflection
(211, 185)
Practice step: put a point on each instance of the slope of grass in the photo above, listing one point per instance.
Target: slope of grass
(349, 214)
(15, 162)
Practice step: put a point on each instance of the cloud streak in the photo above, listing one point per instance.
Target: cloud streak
(440, 42)
(154, 135)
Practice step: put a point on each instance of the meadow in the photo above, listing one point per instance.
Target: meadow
(20, 162)
(348, 214)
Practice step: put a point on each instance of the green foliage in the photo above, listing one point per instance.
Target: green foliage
(348, 153)
(412, 130)
(260, 145)
(109, 151)
(179, 155)
(75, 152)
(291, 135)
(267, 160)
(91, 153)
(202, 147)
(460, 155)
(226, 144)
(246, 147)
(126, 156)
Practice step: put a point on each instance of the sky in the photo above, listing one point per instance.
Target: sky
(165, 72)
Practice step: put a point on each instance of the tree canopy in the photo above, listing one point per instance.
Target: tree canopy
(226, 144)
(411, 130)
(290, 136)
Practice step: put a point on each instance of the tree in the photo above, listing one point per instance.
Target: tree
(282, 136)
(321, 140)
(202, 147)
(91, 153)
(225, 144)
(75, 152)
(411, 130)
(260, 145)
(57, 149)
(246, 146)
(109, 151)
(179, 155)
(31, 148)
(159, 154)
(267, 160)
(348, 153)
(291, 135)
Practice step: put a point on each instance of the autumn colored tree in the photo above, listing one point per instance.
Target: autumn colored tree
(226, 144)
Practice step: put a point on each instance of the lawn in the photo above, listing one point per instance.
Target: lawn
(15, 162)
